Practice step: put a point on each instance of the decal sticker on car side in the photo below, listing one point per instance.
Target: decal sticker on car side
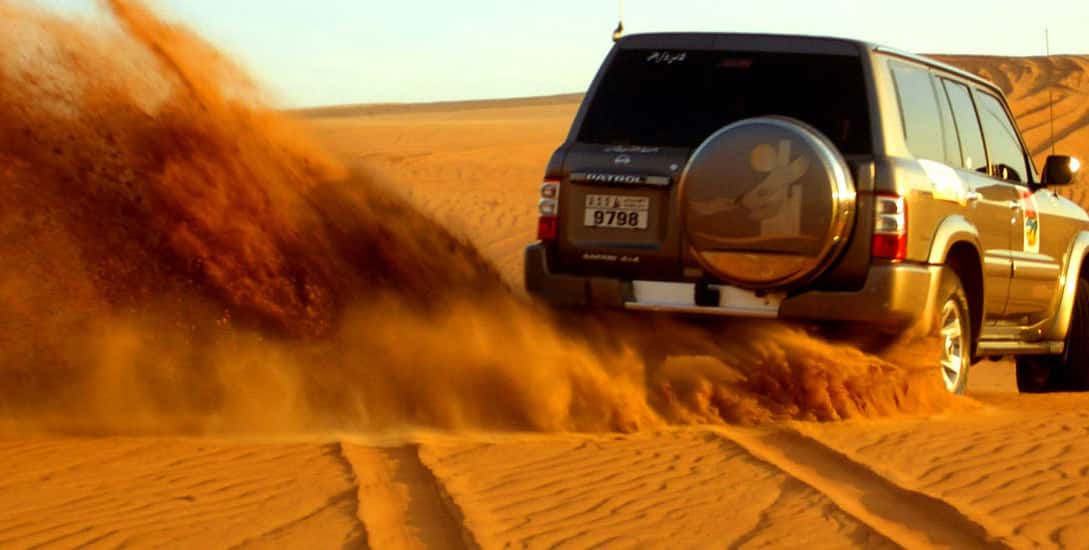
(776, 202)
(1031, 221)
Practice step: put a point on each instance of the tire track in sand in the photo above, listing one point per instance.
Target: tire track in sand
(909, 518)
(401, 503)
(684, 488)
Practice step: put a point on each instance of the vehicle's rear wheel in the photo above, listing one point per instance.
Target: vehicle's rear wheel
(953, 327)
(1066, 372)
(942, 342)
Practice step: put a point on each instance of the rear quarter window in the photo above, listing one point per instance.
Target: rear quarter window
(679, 98)
(919, 110)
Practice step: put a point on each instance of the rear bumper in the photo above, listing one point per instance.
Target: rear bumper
(894, 295)
(570, 290)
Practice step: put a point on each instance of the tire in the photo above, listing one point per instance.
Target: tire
(1034, 374)
(1066, 372)
(953, 328)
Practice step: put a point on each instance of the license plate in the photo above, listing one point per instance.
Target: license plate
(617, 211)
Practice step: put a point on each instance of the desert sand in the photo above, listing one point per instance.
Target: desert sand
(239, 411)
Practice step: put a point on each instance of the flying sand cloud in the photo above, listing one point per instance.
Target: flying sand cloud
(185, 260)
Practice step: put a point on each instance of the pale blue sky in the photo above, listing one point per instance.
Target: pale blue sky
(318, 52)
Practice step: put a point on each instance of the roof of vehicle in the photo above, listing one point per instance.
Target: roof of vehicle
(647, 39)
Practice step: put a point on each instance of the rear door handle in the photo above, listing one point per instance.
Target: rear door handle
(973, 196)
(1015, 205)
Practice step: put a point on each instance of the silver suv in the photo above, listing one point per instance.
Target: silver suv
(817, 179)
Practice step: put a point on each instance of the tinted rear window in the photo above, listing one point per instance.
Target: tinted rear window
(679, 98)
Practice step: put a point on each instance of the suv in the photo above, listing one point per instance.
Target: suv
(817, 179)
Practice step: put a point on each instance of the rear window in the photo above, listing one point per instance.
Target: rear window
(679, 98)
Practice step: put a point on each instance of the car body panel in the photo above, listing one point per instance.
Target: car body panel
(1056, 327)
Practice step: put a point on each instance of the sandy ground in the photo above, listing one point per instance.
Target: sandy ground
(1013, 473)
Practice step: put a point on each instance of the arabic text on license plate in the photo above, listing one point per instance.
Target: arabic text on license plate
(617, 211)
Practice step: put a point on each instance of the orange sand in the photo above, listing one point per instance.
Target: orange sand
(180, 261)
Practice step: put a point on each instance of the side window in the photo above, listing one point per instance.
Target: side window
(1007, 156)
(964, 113)
(919, 111)
(949, 131)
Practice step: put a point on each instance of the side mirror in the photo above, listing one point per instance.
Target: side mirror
(1059, 170)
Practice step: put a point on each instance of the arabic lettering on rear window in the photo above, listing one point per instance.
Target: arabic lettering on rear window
(666, 58)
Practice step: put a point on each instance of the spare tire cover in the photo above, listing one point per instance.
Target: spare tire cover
(767, 203)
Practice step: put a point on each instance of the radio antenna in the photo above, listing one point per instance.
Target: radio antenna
(1050, 96)
(619, 30)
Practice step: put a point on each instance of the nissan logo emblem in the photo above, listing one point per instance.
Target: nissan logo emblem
(622, 159)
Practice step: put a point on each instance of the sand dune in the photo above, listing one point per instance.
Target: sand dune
(475, 170)
(259, 350)
(675, 488)
(370, 109)
(192, 494)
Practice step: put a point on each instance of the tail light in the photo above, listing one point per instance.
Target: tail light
(890, 228)
(548, 207)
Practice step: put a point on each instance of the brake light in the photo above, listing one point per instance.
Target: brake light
(890, 228)
(546, 228)
(548, 207)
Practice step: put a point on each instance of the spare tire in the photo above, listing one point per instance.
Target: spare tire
(768, 203)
